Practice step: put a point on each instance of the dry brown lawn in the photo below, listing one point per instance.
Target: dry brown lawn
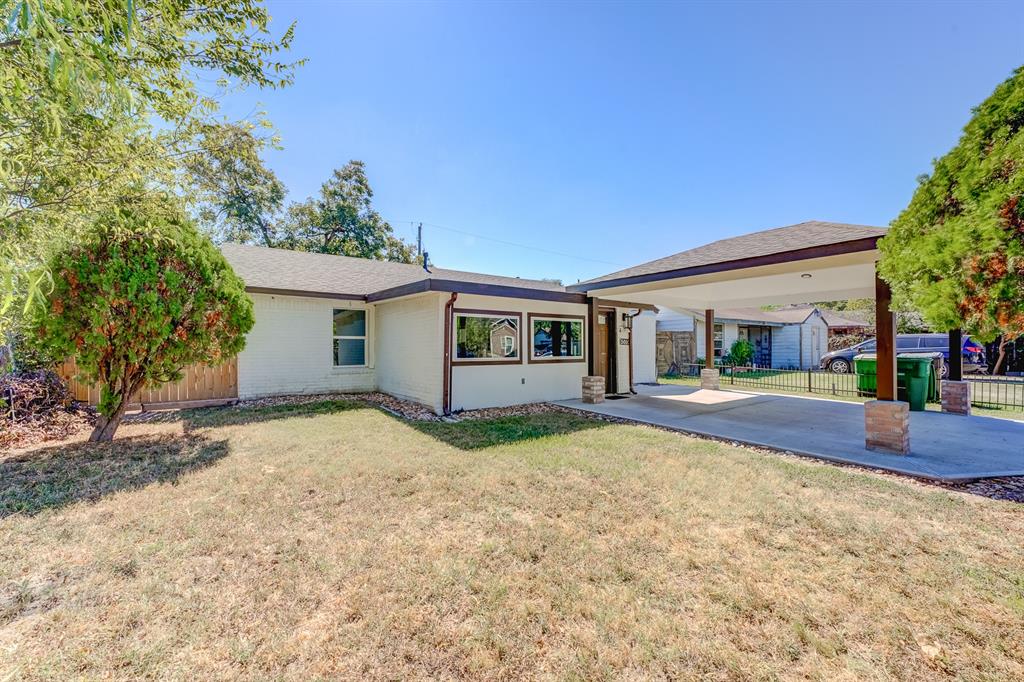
(336, 541)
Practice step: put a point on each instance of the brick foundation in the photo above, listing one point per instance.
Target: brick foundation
(593, 389)
(710, 379)
(956, 397)
(887, 426)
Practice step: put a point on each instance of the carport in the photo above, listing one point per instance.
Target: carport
(803, 263)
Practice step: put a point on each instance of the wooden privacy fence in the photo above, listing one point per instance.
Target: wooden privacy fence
(201, 386)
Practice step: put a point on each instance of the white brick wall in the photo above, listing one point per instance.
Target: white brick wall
(410, 341)
(479, 386)
(644, 371)
(290, 349)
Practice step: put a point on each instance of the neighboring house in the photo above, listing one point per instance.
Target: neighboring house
(450, 340)
(839, 324)
(790, 338)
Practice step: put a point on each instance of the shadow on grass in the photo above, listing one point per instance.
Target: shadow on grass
(476, 434)
(466, 435)
(207, 417)
(53, 477)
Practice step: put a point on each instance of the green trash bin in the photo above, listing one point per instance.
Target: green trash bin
(916, 382)
(930, 372)
(866, 367)
(915, 372)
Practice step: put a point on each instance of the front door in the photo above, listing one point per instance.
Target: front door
(605, 362)
(763, 347)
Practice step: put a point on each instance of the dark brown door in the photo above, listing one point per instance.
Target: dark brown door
(605, 329)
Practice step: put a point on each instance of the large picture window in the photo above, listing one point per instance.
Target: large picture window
(556, 339)
(486, 337)
(349, 338)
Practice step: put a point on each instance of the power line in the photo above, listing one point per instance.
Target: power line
(508, 243)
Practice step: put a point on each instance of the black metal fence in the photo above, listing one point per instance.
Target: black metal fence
(1001, 393)
(1006, 393)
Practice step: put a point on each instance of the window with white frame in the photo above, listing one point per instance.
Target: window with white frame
(484, 336)
(349, 338)
(719, 339)
(556, 338)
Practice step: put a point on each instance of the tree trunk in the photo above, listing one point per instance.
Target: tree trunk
(265, 232)
(998, 368)
(106, 427)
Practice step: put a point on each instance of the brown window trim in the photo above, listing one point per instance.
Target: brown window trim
(555, 316)
(488, 313)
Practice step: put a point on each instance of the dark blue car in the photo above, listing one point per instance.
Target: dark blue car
(841, 361)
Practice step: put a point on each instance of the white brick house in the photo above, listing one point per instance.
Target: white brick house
(450, 340)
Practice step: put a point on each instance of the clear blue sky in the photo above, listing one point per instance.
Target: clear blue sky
(626, 132)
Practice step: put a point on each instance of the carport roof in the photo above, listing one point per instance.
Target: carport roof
(809, 239)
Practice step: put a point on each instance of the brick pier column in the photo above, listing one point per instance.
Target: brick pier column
(887, 426)
(956, 397)
(886, 420)
(710, 379)
(593, 389)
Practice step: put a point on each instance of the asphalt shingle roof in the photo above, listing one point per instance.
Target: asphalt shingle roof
(265, 268)
(832, 318)
(764, 243)
(771, 317)
(796, 314)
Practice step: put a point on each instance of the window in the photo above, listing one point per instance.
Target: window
(907, 342)
(556, 339)
(719, 339)
(486, 336)
(349, 338)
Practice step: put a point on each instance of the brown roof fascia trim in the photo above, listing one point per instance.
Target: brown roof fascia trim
(308, 294)
(417, 287)
(626, 304)
(504, 291)
(478, 288)
(445, 285)
(836, 249)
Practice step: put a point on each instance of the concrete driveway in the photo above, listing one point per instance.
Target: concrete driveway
(943, 446)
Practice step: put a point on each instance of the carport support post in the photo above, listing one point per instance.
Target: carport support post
(886, 421)
(956, 393)
(709, 378)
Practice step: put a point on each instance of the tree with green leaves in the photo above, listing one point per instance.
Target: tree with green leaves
(956, 253)
(342, 221)
(99, 101)
(141, 297)
(239, 198)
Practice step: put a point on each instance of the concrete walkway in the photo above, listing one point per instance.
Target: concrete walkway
(943, 446)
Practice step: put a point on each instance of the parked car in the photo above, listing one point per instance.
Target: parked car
(841, 361)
